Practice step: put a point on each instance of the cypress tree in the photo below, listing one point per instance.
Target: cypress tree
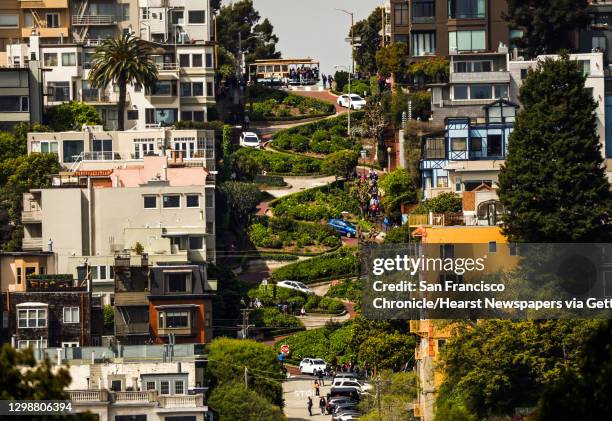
(553, 183)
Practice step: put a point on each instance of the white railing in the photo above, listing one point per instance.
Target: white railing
(88, 395)
(181, 401)
(93, 20)
(146, 396)
(480, 77)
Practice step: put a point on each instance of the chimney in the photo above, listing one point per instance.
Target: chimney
(165, 171)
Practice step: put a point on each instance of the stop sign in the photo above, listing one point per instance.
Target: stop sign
(285, 349)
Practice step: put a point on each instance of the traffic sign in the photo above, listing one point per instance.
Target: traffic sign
(285, 349)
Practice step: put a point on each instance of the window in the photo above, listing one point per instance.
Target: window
(115, 385)
(70, 344)
(447, 251)
(185, 89)
(193, 200)
(209, 89)
(423, 43)
(196, 243)
(209, 60)
(210, 227)
(472, 66)
(400, 14)
(480, 91)
(150, 386)
(53, 20)
(585, 67)
(466, 41)
(492, 246)
(32, 343)
(177, 17)
(458, 144)
(599, 43)
(150, 202)
(196, 59)
(71, 314)
(209, 198)
(423, 10)
(198, 88)
(164, 387)
(33, 317)
(9, 21)
(476, 147)
(132, 114)
(466, 9)
(19, 275)
(179, 387)
(442, 181)
(125, 12)
(172, 201)
(60, 91)
(500, 91)
(494, 145)
(184, 60)
(50, 59)
(164, 88)
(524, 73)
(104, 146)
(197, 16)
(69, 59)
(178, 282)
(177, 319)
(14, 103)
(198, 116)
(460, 92)
(513, 249)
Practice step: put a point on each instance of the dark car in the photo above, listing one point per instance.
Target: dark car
(333, 403)
(349, 392)
(343, 227)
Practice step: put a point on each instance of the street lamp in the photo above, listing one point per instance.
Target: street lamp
(389, 158)
(349, 95)
(352, 15)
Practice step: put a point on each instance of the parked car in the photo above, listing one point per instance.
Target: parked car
(343, 227)
(249, 140)
(350, 392)
(332, 403)
(355, 102)
(346, 415)
(298, 286)
(351, 382)
(312, 365)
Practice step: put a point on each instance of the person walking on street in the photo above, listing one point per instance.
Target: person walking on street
(322, 405)
(309, 406)
(320, 376)
(316, 388)
(247, 122)
(324, 82)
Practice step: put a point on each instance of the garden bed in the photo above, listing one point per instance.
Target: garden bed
(276, 105)
(282, 163)
(292, 236)
(340, 263)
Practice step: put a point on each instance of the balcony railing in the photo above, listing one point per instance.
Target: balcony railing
(31, 216)
(32, 243)
(132, 329)
(167, 66)
(127, 397)
(480, 77)
(88, 395)
(181, 401)
(86, 20)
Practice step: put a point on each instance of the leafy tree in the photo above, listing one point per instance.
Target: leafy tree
(258, 39)
(391, 59)
(234, 401)
(71, 115)
(522, 359)
(433, 69)
(226, 143)
(584, 392)
(11, 146)
(553, 182)
(397, 390)
(399, 235)
(398, 188)
(228, 358)
(369, 32)
(341, 163)
(122, 61)
(109, 318)
(444, 202)
(375, 121)
(546, 24)
(361, 192)
(341, 78)
(386, 351)
(241, 198)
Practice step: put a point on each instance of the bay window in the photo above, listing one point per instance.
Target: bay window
(466, 9)
(466, 41)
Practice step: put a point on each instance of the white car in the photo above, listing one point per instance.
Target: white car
(312, 365)
(352, 101)
(249, 140)
(298, 286)
(351, 382)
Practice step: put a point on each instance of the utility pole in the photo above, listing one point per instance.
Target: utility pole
(216, 43)
(378, 398)
(246, 377)
(245, 323)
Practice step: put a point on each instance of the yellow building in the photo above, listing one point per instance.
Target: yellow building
(450, 242)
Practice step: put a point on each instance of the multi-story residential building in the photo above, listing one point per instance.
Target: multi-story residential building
(444, 27)
(20, 96)
(139, 383)
(95, 149)
(53, 311)
(15, 267)
(478, 107)
(161, 303)
(178, 32)
(597, 36)
(165, 208)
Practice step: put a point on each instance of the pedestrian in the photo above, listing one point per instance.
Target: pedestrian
(322, 405)
(316, 388)
(247, 121)
(324, 82)
(320, 376)
(303, 312)
(309, 406)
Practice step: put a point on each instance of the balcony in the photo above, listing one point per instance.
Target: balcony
(181, 401)
(88, 20)
(480, 77)
(46, 32)
(32, 243)
(132, 328)
(79, 396)
(31, 216)
(136, 397)
(131, 397)
(52, 283)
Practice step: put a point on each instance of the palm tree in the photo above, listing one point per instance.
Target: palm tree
(121, 61)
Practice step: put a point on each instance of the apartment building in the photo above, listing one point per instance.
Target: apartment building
(444, 27)
(95, 149)
(157, 304)
(140, 382)
(20, 96)
(597, 36)
(478, 107)
(89, 216)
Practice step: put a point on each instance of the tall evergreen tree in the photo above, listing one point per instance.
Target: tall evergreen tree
(553, 182)
(546, 24)
(370, 39)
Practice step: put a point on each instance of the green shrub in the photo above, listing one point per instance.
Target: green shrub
(342, 262)
(299, 143)
(332, 343)
(333, 305)
(279, 162)
(347, 289)
(273, 317)
(312, 302)
(445, 202)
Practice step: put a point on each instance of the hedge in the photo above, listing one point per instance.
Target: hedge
(316, 204)
(281, 163)
(340, 263)
(270, 180)
(348, 289)
(272, 317)
(331, 344)
(276, 105)
(285, 232)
